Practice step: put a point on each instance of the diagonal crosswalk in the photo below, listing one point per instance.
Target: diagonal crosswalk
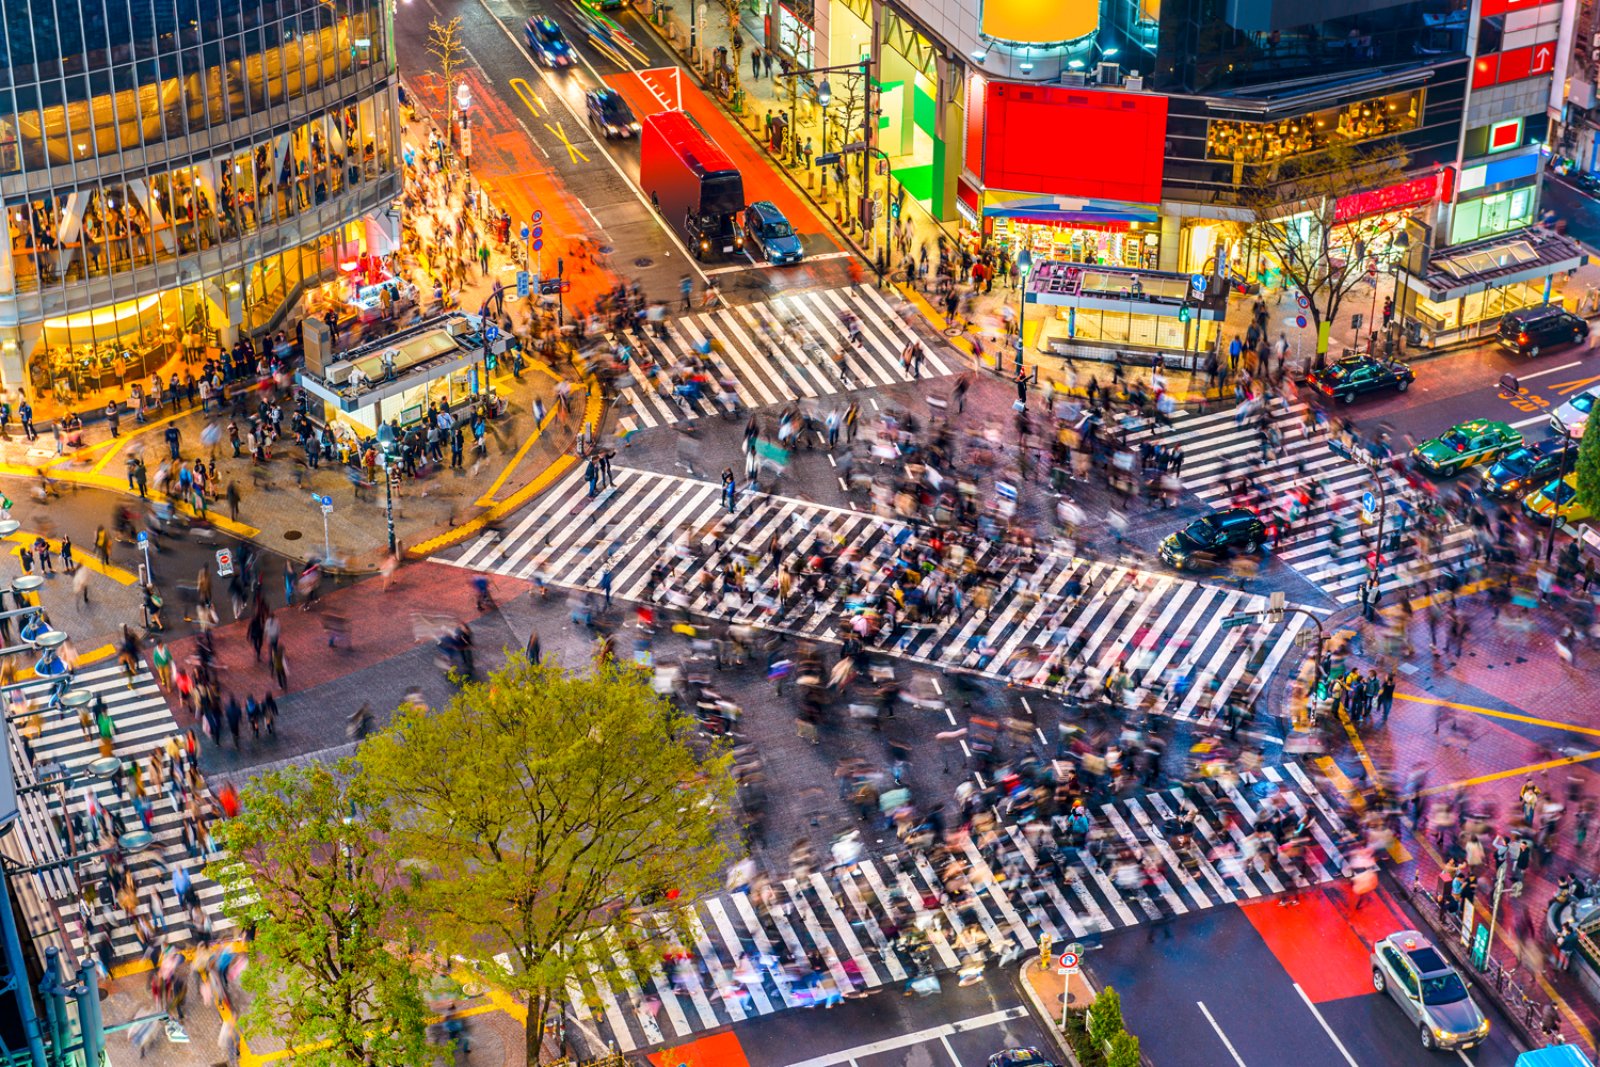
(855, 918)
(1048, 606)
(1218, 450)
(60, 750)
(777, 366)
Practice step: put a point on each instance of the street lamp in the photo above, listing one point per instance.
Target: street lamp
(1024, 265)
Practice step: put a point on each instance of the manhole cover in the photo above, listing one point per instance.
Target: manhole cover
(292, 535)
(643, 261)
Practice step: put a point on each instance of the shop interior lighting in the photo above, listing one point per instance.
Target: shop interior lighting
(1075, 64)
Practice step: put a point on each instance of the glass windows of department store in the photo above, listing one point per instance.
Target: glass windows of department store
(77, 359)
(1265, 142)
(132, 220)
(113, 76)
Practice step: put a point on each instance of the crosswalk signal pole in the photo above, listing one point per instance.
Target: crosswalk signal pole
(1044, 952)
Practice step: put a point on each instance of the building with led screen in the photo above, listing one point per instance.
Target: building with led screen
(176, 170)
(1123, 133)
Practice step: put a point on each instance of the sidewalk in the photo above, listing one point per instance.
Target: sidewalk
(1456, 724)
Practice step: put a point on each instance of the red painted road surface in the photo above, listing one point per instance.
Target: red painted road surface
(1322, 944)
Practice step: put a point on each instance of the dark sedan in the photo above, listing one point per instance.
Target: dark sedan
(1355, 375)
(1211, 537)
(1526, 468)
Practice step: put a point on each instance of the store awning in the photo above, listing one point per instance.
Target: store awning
(1070, 211)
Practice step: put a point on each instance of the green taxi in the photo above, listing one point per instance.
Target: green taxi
(1460, 447)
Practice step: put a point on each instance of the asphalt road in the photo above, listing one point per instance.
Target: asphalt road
(1260, 985)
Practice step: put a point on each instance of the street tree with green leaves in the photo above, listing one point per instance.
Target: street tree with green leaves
(1589, 467)
(306, 865)
(554, 818)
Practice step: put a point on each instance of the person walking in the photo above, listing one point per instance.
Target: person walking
(730, 489)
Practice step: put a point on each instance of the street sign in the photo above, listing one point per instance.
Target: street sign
(524, 231)
(1300, 321)
(522, 285)
(1237, 620)
(327, 507)
(538, 245)
(827, 159)
(538, 231)
(538, 217)
(491, 332)
(144, 538)
(1067, 963)
(1480, 945)
(1300, 299)
(1198, 282)
(224, 562)
(1368, 502)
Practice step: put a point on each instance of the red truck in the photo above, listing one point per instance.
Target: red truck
(689, 178)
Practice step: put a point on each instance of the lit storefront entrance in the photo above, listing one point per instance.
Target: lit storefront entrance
(1468, 288)
(1100, 233)
(1101, 312)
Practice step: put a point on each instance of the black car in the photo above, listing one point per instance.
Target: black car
(1020, 1057)
(1532, 330)
(1354, 375)
(547, 43)
(1525, 469)
(1213, 536)
(609, 111)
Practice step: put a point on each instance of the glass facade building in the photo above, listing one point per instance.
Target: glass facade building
(176, 171)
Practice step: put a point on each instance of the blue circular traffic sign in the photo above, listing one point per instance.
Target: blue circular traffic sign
(538, 216)
(537, 245)
(538, 231)
(1300, 321)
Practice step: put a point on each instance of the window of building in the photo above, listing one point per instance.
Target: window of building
(1490, 215)
(1265, 142)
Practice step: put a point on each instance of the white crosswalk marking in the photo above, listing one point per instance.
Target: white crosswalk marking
(1218, 450)
(1157, 626)
(771, 367)
(141, 722)
(837, 916)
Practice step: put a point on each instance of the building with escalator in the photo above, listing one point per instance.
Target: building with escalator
(175, 174)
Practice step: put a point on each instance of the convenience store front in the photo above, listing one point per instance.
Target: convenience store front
(1064, 229)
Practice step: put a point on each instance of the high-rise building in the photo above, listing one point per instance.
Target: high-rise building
(1138, 134)
(180, 172)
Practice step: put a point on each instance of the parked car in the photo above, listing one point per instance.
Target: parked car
(1478, 441)
(1535, 329)
(547, 43)
(770, 233)
(1570, 418)
(1211, 537)
(611, 113)
(1020, 1057)
(1354, 375)
(1429, 991)
(1519, 470)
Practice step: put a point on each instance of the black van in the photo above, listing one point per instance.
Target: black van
(1532, 330)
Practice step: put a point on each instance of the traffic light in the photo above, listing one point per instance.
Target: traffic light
(894, 208)
(1183, 313)
(491, 360)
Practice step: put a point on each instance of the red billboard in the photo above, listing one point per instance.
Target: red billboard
(1393, 197)
(1074, 142)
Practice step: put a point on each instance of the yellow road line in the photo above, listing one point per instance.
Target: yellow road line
(109, 570)
(593, 409)
(1495, 714)
(573, 152)
(494, 487)
(528, 95)
(1396, 850)
(1515, 772)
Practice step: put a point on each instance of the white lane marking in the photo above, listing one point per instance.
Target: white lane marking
(1351, 1060)
(933, 1033)
(1549, 370)
(1529, 421)
(1224, 1037)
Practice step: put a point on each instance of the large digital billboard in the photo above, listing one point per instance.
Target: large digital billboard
(1039, 21)
(1074, 142)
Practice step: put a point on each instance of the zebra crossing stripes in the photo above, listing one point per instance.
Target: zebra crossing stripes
(734, 955)
(1218, 449)
(1050, 610)
(142, 722)
(785, 370)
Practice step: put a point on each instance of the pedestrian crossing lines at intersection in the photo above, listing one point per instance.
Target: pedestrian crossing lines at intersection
(883, 920)
(1050, 616)
(1219, 450)
(142, 722)
(776, 367)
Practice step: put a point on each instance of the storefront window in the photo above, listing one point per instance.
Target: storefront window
(1266, 142)
(1137, 249)
(1490, 215)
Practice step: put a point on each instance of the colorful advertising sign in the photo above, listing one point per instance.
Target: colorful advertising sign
(1074, 142)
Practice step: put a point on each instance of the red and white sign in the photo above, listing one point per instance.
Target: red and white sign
(1515, 65)
(1389, 198)
(1505, 135)
(1068, 963)
(1491, 8)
